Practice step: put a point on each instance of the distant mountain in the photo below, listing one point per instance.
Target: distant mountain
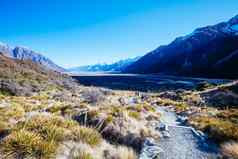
(114, 67)
(23, 53)
(210, 51)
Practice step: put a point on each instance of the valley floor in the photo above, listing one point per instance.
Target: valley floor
(73, 121)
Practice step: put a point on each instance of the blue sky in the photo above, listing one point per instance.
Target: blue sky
(79, 32)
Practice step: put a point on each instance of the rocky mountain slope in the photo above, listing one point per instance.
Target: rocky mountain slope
(24, 77)
(114, 67)
(210, 51)
(23, 53)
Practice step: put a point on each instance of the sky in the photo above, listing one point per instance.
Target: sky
(81, 32)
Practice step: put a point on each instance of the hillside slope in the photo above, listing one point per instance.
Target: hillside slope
(210, 51)
(24, 77)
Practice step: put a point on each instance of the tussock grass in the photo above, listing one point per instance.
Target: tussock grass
(116, 111)
(179, 106)
(40, 135)
(14, 111)
(3, 127)
(51, 128)
(83, 155)
(230, 149)
(142, 107)
(109, 119)
(26, 144)
(81, 152)
(125, 153)
(134, 114)
(86, 135)
(218, 129)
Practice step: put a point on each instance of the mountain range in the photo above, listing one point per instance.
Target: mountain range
(114, 67)
(23, 53)
(210, 51)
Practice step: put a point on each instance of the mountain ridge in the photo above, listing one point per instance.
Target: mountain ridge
(24, 53)
(113, 67)
(196, 54)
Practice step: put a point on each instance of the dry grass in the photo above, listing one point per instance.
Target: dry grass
(134, 114)
(13, 111)
(82, 155)
(230, 149)
(3, 126)
(218, 129)
(86, 135)
(82, 151)
(142, 107)
(93, 95)
(25, 144)
(125, 153)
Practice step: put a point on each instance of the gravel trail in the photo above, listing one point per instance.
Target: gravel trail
(183, 142)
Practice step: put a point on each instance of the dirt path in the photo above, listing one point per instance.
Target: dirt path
(183, 143)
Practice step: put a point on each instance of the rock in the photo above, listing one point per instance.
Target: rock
(166, 134)
(128, 101)
(182, 119)
(162, 127)
(150, 149)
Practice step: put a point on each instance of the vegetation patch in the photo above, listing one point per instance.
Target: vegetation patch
(134, 114)
(86, 135)
(230, 149)
(26, 144)
(217, 129)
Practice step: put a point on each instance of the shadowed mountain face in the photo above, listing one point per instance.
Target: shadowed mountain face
(210, 51)
(23, 53)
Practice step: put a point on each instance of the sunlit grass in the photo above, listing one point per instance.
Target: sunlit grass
(218, 129)
(86, 135)
(134, 114)
(230, 149)
(26, 144)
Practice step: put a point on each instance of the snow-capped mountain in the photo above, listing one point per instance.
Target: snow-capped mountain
(23, 53)
(114, 67)
(210, 51)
